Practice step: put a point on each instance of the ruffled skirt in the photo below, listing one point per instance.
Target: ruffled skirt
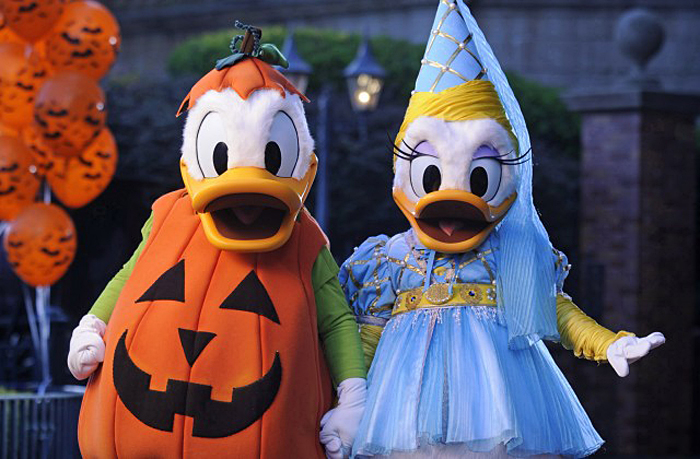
(447, 377)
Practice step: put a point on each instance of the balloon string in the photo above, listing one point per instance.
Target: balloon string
(31, 317)
(42, 310)
(46, 191)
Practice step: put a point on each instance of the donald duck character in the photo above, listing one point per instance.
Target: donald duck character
(461, 302)
(208, 343)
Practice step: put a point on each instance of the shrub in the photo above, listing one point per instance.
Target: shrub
(328, 52)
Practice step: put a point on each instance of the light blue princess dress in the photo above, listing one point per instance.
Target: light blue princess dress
(443, 372)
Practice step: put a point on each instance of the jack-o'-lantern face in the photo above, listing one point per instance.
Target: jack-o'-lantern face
(40, 244)
(18, 185)
(21, 76)
(78, 180)
(211, 418)
(69, 113)
(31, 19)
(86, 39)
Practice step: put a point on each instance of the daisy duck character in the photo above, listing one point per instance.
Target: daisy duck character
(460, 303)
(213, 339)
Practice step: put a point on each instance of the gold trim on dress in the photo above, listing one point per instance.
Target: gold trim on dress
(439, 295)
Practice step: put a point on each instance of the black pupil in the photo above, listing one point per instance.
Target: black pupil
(273, 157)
(479, 181)
(220, 158)
(431, 178)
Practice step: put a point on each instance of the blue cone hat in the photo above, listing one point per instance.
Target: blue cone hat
(457, 52)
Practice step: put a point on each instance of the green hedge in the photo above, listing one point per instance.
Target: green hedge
(326, 51)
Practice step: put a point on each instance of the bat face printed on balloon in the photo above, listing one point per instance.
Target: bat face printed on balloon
(78, 180)
(31, 19)
(21, 76)
(86, 39)
(42, 156)
(18, 185)
(69, 113)
(40, 244)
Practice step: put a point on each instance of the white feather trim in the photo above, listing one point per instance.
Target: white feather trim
(455, 143)
(247, 124)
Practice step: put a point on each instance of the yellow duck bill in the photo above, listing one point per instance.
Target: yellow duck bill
(452, 221)
(248, 209)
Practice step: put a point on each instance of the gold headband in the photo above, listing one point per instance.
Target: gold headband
(476, 99)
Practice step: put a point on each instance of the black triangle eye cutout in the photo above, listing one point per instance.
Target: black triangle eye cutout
(250, 295)
(169, 286)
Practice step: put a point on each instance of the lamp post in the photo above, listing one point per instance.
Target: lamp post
(298, 73)
(365, 78)
(299, 70)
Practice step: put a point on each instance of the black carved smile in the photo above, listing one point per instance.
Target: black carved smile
(10, 190)
(11, 168)
(69, 39)
(212, 419)
(26, 87)
(51, 253)
(57, 113)
(93, 31)
(52, 135)
(82, 54)
(28, 8)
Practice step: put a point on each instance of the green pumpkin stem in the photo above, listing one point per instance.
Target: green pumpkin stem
(248, 45)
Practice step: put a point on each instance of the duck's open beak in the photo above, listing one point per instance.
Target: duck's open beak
(452, 221)
(248, 209)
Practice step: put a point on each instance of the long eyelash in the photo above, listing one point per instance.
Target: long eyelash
(401, 154)
(413, 154)
(525, 157)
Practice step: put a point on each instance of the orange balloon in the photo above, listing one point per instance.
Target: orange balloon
(7, 130)
(78, 180)
(69, 112)
(21, 76)
(86, 39)
(18, 185)
(42, 156)
(6, 34)
(30, 19)
(40, 244)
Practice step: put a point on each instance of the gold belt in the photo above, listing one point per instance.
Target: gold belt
(438, 295)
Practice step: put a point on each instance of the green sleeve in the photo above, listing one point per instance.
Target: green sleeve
(104, 305)
(336, 323)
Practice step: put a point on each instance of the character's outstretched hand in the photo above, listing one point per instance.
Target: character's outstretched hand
(339, 425)
(87, 348)
(629, 349)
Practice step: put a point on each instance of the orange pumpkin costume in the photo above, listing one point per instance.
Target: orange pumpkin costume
(212, 346)
(276, 364)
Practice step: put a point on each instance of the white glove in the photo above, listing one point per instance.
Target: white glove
(87, 348)
(339, 426)
(629, 349)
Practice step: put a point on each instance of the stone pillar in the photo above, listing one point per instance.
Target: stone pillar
(638, 245)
